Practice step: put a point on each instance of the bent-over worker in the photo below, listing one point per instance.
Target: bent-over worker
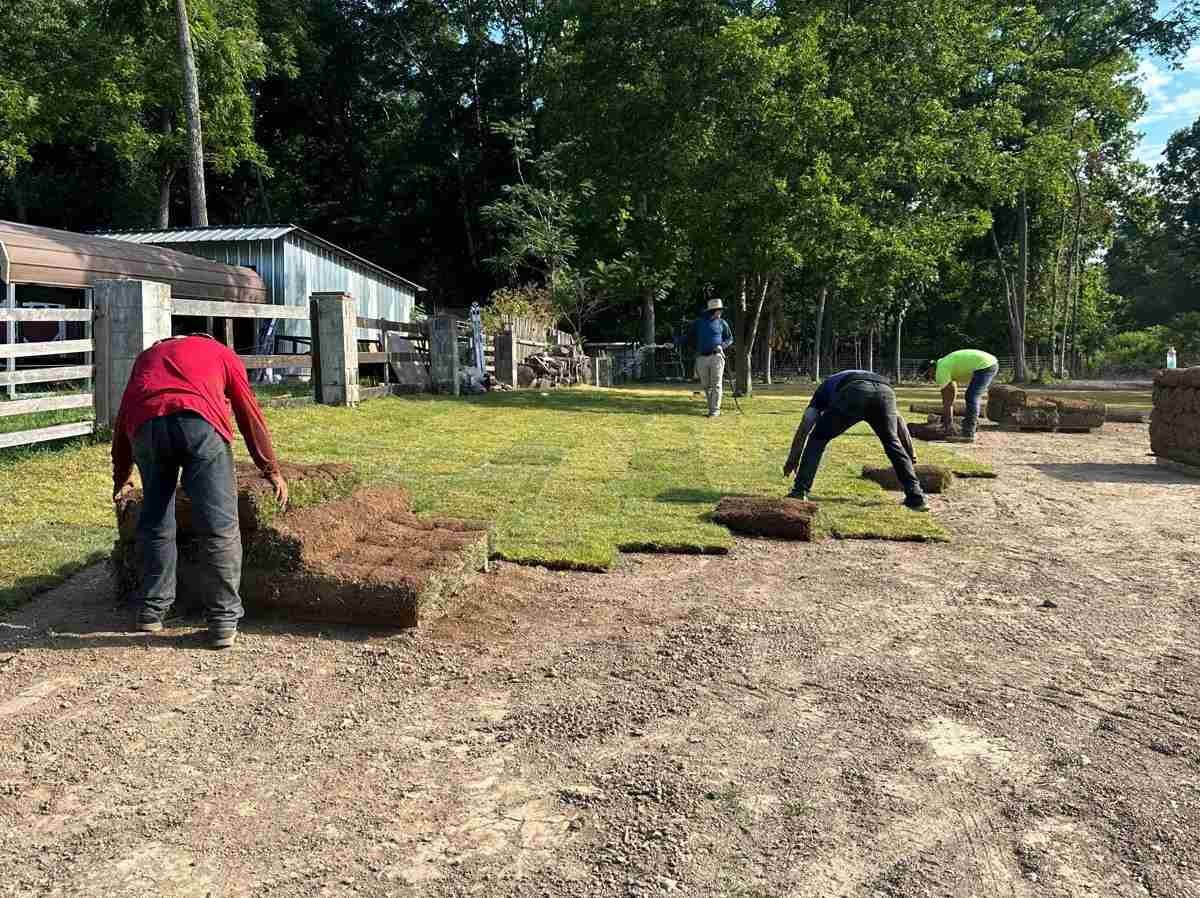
(972, 367)
(710, 337)
(842, 400)
(174, 420)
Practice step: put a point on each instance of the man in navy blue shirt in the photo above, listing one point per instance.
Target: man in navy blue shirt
(840, 402)
(710, 337)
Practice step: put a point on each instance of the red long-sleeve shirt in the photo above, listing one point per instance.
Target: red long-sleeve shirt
(190, 374)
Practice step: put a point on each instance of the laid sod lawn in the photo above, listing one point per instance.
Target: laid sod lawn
(569, 478)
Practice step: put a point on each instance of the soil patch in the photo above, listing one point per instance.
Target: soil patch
(781, 518)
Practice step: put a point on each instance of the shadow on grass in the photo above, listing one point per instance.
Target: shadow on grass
(600, 403)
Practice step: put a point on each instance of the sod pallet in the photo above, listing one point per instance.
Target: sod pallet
(335, 556)
(1014, 408)
(779, 518)
(1175, 425)
(933, 478)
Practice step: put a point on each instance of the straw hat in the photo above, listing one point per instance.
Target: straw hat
(715, 305)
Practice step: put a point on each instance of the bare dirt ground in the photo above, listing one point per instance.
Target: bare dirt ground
(841, 719)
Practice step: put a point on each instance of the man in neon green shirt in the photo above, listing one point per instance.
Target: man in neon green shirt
(972, 367)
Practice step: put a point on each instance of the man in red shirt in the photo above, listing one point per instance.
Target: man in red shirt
(174, 420)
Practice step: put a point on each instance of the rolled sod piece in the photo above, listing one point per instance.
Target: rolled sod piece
(1128, 414)
(933, 478)
(1015, 407)
(932, 433)
(779, 518)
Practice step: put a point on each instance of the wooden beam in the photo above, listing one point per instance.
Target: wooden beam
(276, 361)
(45, 314)
(382, 324)
(372, 358)
(45, 434)
(52, 347)
(46, 375)
(200, 308)
(47, 404)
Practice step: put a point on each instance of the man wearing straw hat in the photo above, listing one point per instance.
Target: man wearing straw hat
(710, 338)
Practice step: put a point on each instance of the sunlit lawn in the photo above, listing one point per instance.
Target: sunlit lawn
(569, 478)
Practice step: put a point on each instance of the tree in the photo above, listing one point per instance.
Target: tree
(191, 99)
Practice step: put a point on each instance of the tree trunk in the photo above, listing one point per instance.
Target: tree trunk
(165, 179)
(871, 349)
(648, 331)
(1020, 373)
(20, 208)
(899, 334)
(768, 349)
(816, 365)
(191, 94)
(752, 306)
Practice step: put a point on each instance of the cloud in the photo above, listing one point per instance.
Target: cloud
(1184, 105)
(1191, 61)
(1155, 81)
(1150, 153)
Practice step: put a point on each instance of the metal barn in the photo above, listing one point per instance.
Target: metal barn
(294, 263)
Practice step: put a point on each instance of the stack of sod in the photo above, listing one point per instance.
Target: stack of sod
(364, 560)
(1018, 408)
(933, 478)
(1175, 425)
(781, 518)
(257, 508)
(336, 554)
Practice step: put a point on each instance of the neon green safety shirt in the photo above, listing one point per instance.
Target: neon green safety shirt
(961, 366)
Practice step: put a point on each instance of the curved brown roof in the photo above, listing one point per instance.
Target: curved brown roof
(65, 259)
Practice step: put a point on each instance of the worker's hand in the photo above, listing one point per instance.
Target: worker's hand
(122, 491)
(281, 490)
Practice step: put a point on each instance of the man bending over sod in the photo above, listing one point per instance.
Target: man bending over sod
(840, 402)
(174, 419)
(972, 367)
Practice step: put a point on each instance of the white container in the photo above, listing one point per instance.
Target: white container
(1172, 359)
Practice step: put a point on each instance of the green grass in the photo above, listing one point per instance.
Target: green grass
(569, 478)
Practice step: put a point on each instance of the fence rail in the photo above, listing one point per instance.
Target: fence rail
(46, 434)
(200, 308)
(49, 347)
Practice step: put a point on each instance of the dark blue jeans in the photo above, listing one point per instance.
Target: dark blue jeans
(164, 448)
(980, 381)
(857, 401)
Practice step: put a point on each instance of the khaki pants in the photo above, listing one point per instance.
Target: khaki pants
(711, 371)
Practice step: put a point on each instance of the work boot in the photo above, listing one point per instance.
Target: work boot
(222, 637)
(916, 502)
(145, 623)
(798, 493)
(715, 414)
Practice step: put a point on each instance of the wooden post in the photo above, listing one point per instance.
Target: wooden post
(506, 358)
(336, 323)
(443, 354)
(10, 328)
(130, 316)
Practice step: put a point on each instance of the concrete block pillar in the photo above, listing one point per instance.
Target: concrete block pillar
(130, 317)
(336, 368)
(443, 354)
(506, 358)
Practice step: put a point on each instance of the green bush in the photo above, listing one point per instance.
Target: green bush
(1146, 349)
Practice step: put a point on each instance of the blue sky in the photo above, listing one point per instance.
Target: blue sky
(1174, 97)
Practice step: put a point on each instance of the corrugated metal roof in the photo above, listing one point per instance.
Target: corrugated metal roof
(219, 234)
(200, 235)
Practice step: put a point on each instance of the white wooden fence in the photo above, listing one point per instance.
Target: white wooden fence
(14, 376)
